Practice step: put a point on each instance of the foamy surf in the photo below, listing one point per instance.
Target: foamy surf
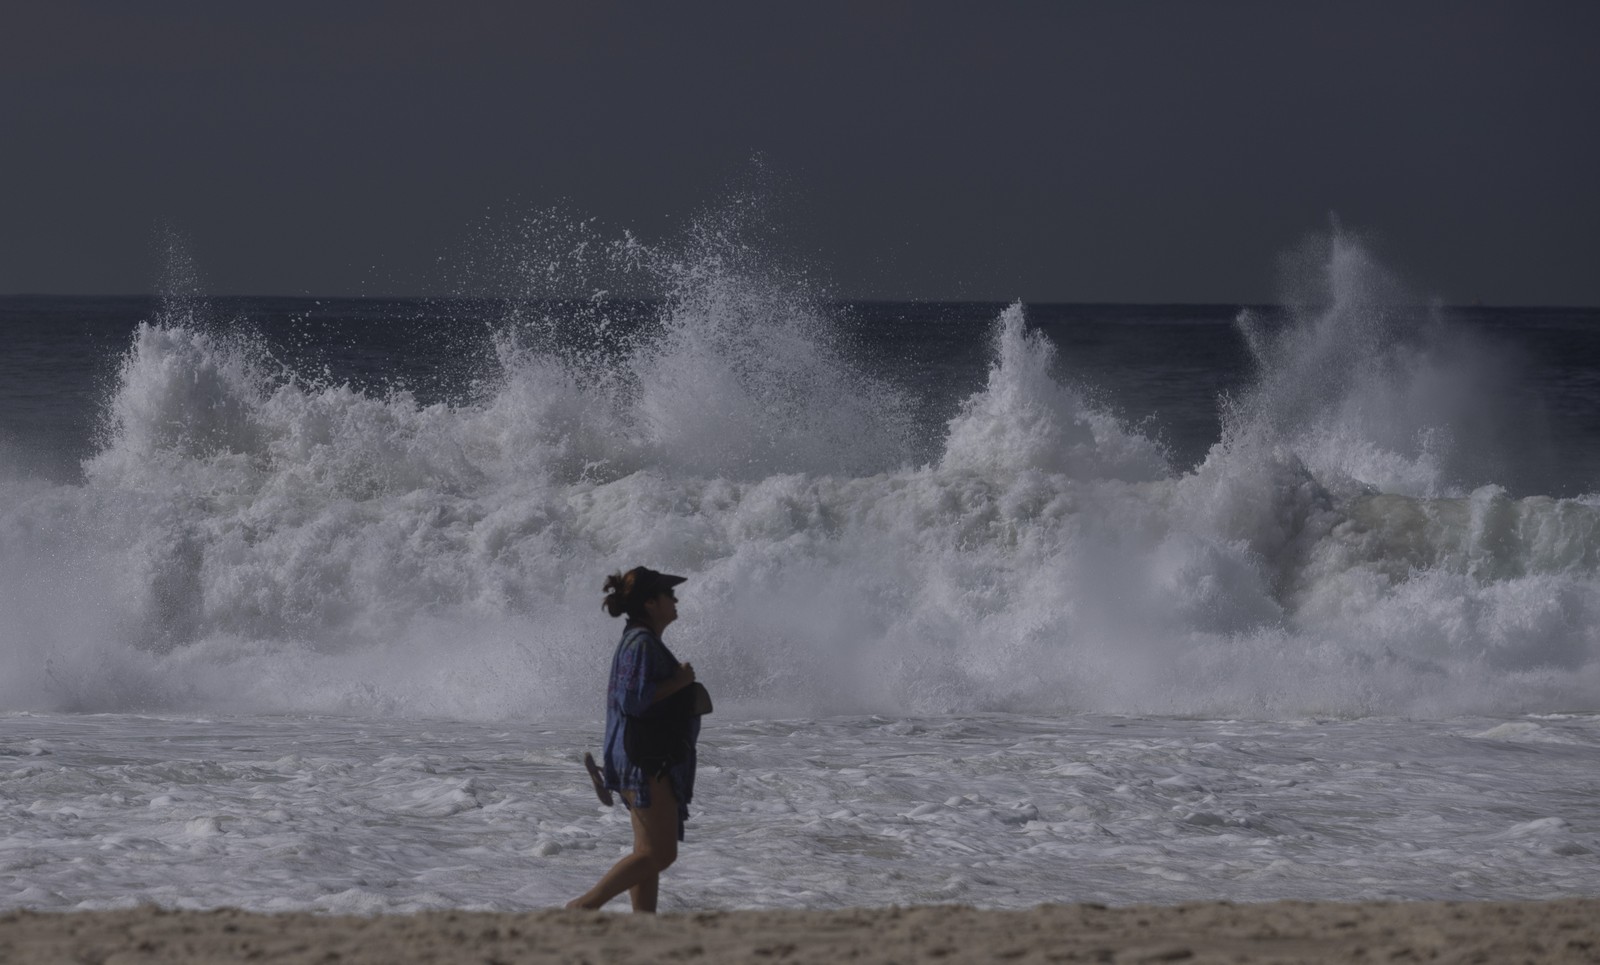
(372, 815)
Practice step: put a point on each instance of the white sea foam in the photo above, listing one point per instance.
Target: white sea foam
(249, 539)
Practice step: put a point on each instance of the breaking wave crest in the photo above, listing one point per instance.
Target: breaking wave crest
(248, 538)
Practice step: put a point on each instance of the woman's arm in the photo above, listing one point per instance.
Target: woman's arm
(633, 686)
(683, 678)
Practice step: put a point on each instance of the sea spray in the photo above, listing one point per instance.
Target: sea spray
(1369, 387)
(1024, 419)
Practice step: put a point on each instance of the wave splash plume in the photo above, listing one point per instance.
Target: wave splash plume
(251, 537)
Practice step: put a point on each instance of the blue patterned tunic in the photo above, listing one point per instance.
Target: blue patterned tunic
(642, 663)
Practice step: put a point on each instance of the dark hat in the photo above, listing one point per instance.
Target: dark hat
(647, 582)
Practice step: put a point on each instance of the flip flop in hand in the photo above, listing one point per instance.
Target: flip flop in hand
(598, 779)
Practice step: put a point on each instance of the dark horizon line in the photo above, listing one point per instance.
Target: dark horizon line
(1001, 302)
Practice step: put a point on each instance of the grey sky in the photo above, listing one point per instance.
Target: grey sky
(1053, 152)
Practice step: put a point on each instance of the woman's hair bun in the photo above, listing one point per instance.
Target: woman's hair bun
(619, 590)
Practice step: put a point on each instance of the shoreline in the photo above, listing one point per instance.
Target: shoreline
(1561, 930)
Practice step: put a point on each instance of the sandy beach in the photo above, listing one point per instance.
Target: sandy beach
(1490, 932)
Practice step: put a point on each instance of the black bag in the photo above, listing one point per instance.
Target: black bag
(658, 739)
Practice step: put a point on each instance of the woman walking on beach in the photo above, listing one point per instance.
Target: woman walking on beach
(653, 709)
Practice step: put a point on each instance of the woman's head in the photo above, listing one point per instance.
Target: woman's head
(644, 595)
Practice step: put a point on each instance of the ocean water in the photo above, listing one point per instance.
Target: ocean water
(299, 598)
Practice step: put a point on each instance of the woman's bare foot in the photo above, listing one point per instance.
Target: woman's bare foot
(599, 782)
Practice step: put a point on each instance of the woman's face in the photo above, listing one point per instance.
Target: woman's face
(662, 609)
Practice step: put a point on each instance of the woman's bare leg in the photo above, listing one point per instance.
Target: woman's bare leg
(655, 846)
(643, 895)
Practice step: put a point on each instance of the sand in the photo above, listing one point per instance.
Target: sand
(1290, 931)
